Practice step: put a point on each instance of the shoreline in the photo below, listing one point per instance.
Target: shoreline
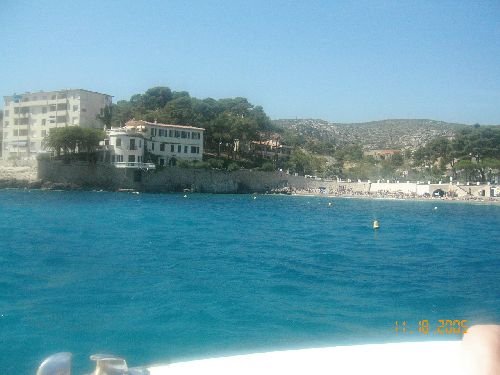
(471, 200)
(14, 184)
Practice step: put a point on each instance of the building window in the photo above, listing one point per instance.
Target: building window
(61, 119)
(139, 159)
(177, 134)
(106, 142)
(185, 149)
(172, 148)
(160, 133)
(195, 150)
(195, 135)
(131, 158)
(62, 95)
(132, 144)
(183, 134)
(21, 121)
(152, 146)
(44, 109)
(162, 162)
(170, 133)
(118, 142)
(44, 133)
(22, 110)
(75, 108)
(179, 149)
(53, 108)
(44, 122)
(162, 146)
(62, 107)
(20, 133)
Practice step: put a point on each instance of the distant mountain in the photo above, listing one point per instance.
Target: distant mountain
(396, 133)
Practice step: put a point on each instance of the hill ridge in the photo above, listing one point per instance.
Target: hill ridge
(377, 134)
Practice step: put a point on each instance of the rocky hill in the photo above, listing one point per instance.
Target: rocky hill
(397, 133)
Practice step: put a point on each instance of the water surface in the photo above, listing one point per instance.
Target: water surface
(158, 278)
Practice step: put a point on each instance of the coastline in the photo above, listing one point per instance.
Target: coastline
(8, 184)
(82, 177)
(401, 197)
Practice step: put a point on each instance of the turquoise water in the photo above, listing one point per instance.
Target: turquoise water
(158, 278)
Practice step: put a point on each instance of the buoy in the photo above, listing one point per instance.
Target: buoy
(435, 208)
(254, 197)
(185, 196)
(376, 225)
(329, 204)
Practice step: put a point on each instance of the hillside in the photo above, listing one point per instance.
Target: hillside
(395, 133)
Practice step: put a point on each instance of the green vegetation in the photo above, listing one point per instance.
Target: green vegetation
(226, 121)
(235, 128)
(72, 140)
(472, 155)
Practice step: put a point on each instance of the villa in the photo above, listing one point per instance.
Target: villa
(139, 143)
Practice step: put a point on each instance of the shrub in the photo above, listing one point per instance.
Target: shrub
(233, 167)
(267, 167)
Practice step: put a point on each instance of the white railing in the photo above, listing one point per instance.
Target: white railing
(127, 164)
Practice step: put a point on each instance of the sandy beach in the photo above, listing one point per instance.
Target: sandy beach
(394, 196)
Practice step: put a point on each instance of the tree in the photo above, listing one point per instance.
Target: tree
(467, 167)
(69, 140)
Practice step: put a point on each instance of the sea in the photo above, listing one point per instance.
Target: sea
(160, 278)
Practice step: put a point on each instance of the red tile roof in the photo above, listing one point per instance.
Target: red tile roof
(146, 123)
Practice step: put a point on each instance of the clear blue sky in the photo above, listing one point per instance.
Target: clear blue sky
(342, 61)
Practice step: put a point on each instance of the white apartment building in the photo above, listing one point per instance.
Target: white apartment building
(28, 117)
(170, 143)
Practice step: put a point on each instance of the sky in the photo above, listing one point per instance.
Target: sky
(341, 61)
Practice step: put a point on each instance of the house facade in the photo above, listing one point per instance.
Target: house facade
(29, 117)
(124, 148)
(169, 143)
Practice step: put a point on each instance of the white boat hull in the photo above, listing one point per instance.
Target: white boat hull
(434, 357)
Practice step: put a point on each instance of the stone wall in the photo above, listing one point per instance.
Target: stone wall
(168, 179)
(83, 174)
(105, 176)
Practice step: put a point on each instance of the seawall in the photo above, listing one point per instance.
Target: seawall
(169, 179)
(172, 179)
